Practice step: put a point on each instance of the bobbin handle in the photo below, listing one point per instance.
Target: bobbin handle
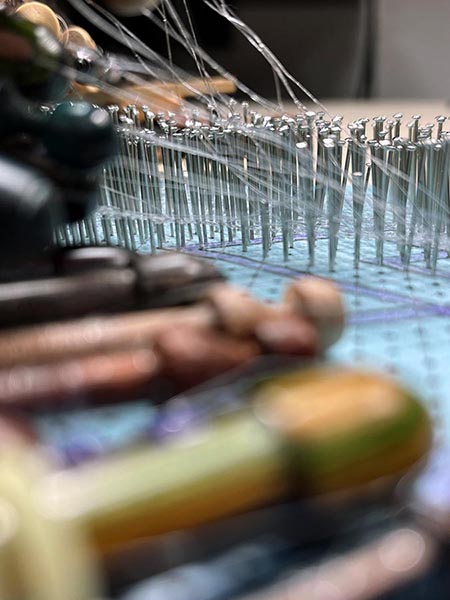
(227, 309)
(320, 302)
(41, 14)
(308, 300)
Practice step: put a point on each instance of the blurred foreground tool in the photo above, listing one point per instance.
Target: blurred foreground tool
(388, 565)
(254, 562)
(123, 356)
(348, 430)
(405, 557)
(408, 561)
(73, 282)
(224, 308)
(280, 534)
(51, 160)
(30, 209)
(394, 560)
(60, 155)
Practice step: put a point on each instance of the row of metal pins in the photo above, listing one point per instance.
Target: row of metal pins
(245, 178)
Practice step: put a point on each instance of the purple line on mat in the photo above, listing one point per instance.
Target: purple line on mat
(287, 271)
(398, 314)
(256, 242)
(413, 309)
(396, 263)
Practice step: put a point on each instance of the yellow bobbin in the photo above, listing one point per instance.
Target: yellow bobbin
(40, 558)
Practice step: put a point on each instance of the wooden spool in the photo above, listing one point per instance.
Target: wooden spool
(41, 14)
(78, 37)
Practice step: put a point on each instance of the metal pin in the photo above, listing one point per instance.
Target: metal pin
(333, 157)
(413, 127)
(306, 187)
(251, 176)
(245, 107)
(378, 124)
(440, 120)
(358, 163)
(397, 125)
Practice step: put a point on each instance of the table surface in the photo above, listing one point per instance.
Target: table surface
(354, 109)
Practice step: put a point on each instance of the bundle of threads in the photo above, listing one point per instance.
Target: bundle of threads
(248, 179)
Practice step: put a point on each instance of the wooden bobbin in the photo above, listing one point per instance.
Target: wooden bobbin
(320, 301)
(227, 308)
(308, 434)
(311, 300)
(41, 14)
(78, 37)
(158, 100)
(238, 312)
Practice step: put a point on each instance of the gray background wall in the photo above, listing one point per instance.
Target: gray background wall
(317, 40)
(412, 56)
(327, 45)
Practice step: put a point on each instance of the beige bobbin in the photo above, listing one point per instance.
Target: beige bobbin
(315, 300)
(237, 311)
(41, 14)
(320, 301)
(77, 36)
(226, 308)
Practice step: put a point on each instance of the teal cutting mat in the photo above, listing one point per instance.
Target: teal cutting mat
(398, 321)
